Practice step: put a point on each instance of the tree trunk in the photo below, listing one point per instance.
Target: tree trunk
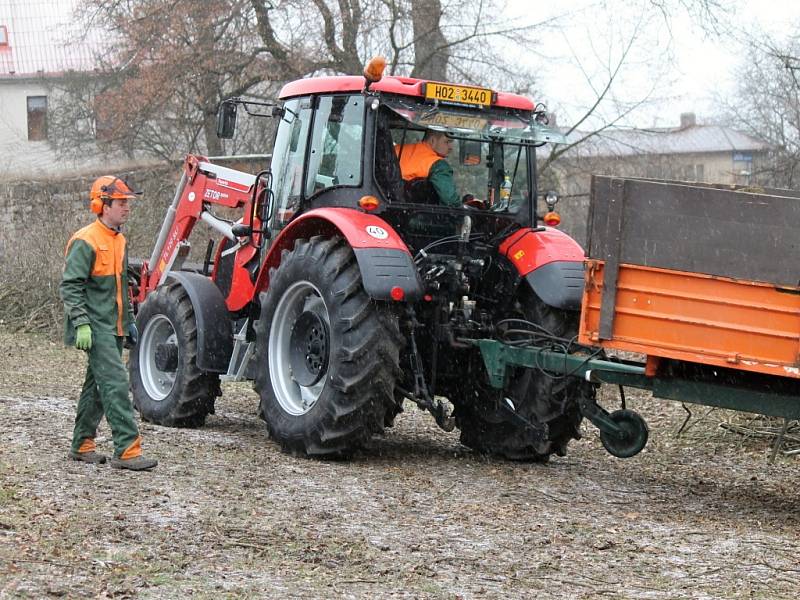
(213, 143)
(431, 51)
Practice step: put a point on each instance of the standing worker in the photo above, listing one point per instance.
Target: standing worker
(98, 317)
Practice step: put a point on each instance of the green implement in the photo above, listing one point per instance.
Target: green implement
(623, 432)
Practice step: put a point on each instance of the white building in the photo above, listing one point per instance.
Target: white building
(40, 44)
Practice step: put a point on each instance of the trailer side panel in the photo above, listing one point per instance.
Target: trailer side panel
(698, 273)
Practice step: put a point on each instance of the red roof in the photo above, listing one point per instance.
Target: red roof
(43, 38)
(391, 84)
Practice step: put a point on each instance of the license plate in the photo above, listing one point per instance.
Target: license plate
(460, 94)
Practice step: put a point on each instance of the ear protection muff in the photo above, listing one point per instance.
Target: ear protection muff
(96, 206)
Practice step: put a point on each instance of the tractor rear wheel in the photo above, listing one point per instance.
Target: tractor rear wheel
(327, 356)
(168, 388)
(541, 401)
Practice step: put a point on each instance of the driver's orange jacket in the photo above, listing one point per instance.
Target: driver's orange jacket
(420, 161)
(416, 160)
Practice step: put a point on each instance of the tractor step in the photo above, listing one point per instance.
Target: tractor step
(240, 357)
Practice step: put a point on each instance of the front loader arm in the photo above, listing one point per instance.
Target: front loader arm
(202, 183)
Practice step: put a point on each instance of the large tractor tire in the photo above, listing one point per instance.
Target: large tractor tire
(539, 399)
(168, 388)
(327, 357)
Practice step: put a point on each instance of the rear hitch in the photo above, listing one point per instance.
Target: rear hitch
(624, 433)
(421, 394)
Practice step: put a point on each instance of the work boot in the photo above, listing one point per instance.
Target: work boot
(92, 457)
(137, 463)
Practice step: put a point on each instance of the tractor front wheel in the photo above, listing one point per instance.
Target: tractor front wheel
(168, 388)
(327, 356)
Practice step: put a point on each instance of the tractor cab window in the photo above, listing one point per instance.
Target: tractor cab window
(336, 143)
(287, 161)
(489, 154)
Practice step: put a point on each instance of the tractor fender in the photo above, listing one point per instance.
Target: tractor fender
(214, 327)
(383, 258)
(551, 262)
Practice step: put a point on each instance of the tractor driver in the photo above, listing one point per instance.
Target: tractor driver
(425, 160)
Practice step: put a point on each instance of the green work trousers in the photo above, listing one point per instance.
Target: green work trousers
(105, 391)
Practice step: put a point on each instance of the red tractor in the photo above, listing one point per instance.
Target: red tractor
(343, 289)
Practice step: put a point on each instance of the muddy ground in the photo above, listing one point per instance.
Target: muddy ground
(226, 514)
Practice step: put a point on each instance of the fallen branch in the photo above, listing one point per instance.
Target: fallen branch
(761, 432)
(230, 543)
(43, 562)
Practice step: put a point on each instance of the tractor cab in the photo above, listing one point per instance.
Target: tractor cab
(491, 153)
(493, 148)
(340, 143)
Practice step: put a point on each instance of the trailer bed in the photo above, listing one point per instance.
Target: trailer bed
(694, 272)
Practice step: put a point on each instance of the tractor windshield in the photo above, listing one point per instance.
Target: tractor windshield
(476, 125)
(490, 152)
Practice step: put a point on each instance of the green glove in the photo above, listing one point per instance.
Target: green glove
(83, 337)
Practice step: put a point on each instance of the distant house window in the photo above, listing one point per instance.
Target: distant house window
(3, 36)
(37, 118)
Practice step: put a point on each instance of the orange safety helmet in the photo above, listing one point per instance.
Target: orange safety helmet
(108, 188)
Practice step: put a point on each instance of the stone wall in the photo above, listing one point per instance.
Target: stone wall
(36, 214)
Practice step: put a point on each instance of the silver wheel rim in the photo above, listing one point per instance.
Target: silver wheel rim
(157, 383)
(294, 398)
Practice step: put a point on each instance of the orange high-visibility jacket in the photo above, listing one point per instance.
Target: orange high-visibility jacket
(416, 160)
(94, 286)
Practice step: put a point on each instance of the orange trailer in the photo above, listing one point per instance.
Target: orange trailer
(696, 317)
(694, 272)
(703, 280)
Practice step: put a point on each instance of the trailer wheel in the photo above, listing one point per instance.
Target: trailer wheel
(168, 388)
(327, 356)
(634, 438)
(537, 400)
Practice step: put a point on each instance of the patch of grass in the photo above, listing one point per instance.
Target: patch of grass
(7, 496)
(430, 587)
(12, 501)
(162, 579)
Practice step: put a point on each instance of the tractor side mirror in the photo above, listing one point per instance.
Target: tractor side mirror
(226, 120)
(469, 152)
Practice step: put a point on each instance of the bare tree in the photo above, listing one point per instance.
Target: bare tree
(625, 67)
(767, 106)
(173, 61)
(431, 39)
(431, 49)
(196, 53)
(161, 81)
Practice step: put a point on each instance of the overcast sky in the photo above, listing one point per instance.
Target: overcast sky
(593, 32)
(701, 65)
